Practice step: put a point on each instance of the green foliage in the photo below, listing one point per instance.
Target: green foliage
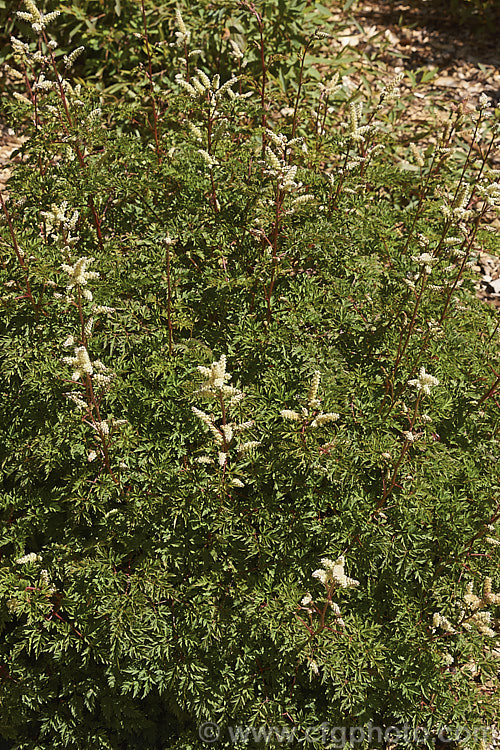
(116, 54)
(484, 11)
(144, 591)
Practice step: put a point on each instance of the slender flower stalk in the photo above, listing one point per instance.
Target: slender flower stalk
(91, 374)
(225, 431)
(263, 104)
(39, 22)
(19, 255)
(333, 577)
(423, 385)
(155, 125)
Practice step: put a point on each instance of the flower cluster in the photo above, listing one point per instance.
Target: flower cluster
(309, 605)
(473, 612)
(45, 582)
(93, 375)
(201, 86)
(332, 574)
(210, 94)
(28, 559)
(489, 188)
(311, 416)
(424, 382)
(277, 166)
(83, 366)
(61, 219)
(357, 132)
(456, 210)
(425, 260)
(237, 52)
(331, 87)
(392, 90)
(78, 274)
(183, 35)
(69, 60)
(417, 155)
(20, 50)
(68, 95)
(216, 380)
(439, 621)
(226, 433)
(327, 90)
(37, 19)
(81, 363)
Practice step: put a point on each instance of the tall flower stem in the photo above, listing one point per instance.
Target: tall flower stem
(392, 483)
(78, 151)
(462, 266)
(274, 248)
(490, 391)
(260, 24)
(19, 254)
(169, 306)
(92, 401)
(210, 123)
(403, 346)
(94, 404)
(299, 87)
(151, 85)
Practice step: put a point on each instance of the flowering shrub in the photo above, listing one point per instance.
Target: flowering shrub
(293, 540)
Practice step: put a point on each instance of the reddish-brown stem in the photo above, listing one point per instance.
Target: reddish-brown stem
(461, 269)
(316, 123)
(19, 253)
(169, 306)
(95, 404)
(274, 247)
(186, 58)
(225, 444)
(223, 410)
(151, 86)
(334, 201)
(263, 88)
(91, 398)
(420, 206)
(490, 391)
(80, 315)
(388, 490)
(299, 88)
(402, 347)
(34, 100)
(260, 23)
(78, 150)
(210, 123)
(478, 535)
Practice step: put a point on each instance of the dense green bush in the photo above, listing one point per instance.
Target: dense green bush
(309, 541)
(116, 52)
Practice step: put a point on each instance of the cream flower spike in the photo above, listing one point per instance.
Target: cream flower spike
(424, 382)
(312, 416)
(216, 380)
(37, 19)
(332, 573)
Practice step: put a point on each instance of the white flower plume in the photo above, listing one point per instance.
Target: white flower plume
(424, 382)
